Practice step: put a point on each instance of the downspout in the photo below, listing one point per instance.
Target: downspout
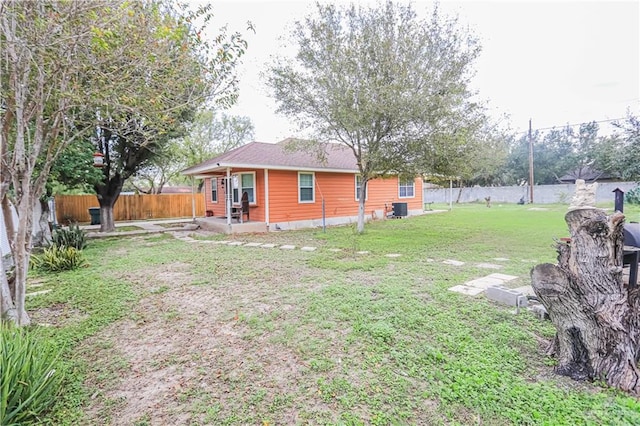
(266, 197)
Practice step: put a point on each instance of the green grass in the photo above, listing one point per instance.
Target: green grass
(321, 337)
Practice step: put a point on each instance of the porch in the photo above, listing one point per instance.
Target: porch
(219, 224)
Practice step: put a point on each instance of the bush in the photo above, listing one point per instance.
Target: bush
(56, 259)
(30, 380)
(69, 237)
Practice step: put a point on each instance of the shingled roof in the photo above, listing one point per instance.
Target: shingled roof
(285, 155)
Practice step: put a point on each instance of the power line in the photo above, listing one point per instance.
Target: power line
(561, 126)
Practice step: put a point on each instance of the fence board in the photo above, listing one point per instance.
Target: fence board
(75, 208)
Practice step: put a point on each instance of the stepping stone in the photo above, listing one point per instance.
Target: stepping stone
(362, 252)
(269, 245)
(222, 242)
(235, 243)
(484, 283)
(253, 244)
(503, 277)
(453, 262)
(529, 261)
(287, 247)
(37, 293)
(430, 260)
(308, 248)
(335, 250)
(488, 266)
(501, 259)
(393, 255)
(35, 285)
(469, 291)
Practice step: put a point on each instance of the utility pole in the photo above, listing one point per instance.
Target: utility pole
(530, 165)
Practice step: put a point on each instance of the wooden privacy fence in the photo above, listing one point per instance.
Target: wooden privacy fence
(75, 208)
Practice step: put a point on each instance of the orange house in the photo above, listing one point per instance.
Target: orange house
(292, 188)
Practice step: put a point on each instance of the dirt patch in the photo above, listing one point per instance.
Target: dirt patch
(57, 315)
(188, 345)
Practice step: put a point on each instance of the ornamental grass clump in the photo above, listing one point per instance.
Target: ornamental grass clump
(57, 259)
(31, 380)
(69, 237)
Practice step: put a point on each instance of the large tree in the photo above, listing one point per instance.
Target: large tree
(65, 70)
(43, 67)
(208, 135)
(164, 70)
(387, 84)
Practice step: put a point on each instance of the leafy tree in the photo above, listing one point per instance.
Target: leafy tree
(159, 72)
(212, 134)
(620, 153)
(73, 171)
(43, 69)
(390, 86)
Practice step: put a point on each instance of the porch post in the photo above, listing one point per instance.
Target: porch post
(229, 195)
(266, 197)
(193, 198)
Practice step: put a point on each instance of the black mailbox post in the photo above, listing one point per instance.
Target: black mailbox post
(619, 200)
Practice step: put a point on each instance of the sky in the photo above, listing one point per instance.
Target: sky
(554, 62)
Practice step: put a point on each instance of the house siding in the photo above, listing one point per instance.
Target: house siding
(338, 190)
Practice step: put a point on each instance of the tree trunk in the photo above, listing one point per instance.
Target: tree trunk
(596, 316)
(108, 194)
(361, 206)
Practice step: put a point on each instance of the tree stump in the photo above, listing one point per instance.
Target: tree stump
(596, 316)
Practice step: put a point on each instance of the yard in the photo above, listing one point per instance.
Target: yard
(159, 330)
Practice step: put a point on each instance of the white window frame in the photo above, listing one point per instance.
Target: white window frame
(313, 188)
(237, 177)
(404, 184)
(214, 188)
(366, 191)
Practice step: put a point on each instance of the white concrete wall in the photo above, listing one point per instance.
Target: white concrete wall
(542, 194)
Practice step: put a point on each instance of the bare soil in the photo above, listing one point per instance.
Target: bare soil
(187, 347)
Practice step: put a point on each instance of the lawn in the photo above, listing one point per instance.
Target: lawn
(158, 330)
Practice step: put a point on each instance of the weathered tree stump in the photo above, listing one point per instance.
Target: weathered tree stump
(596, 316)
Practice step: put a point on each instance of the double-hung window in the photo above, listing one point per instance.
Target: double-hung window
(305, 188)
(214, 190)
(244, 182)
(407, 188)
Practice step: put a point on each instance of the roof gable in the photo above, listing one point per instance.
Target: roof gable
(287, 154)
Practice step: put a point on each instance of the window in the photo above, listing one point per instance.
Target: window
(406, 188)
(247, 185)
(214, 190)
(358, 185)
(243, 182)
(305, 188)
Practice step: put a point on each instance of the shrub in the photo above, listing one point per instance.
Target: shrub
(56, 259)
(30, 380)
(69, 237)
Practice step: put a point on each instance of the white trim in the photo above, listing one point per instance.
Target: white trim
(413, 184)
(313, 188)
